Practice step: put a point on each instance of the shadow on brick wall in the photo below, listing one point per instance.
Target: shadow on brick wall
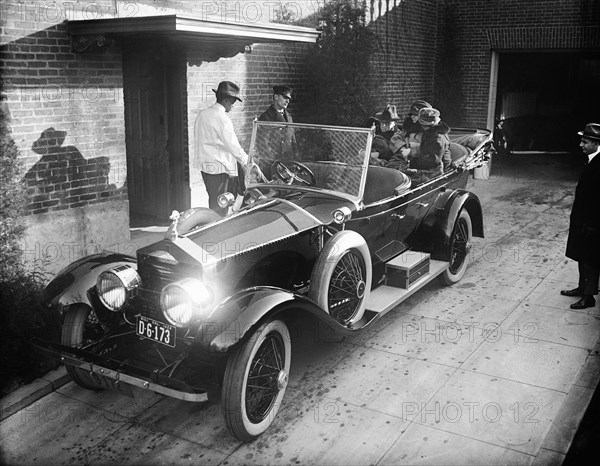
(62, 177)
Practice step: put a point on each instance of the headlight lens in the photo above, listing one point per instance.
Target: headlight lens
(225, 200)
(342, 215)
(185, 301)
(114, 286)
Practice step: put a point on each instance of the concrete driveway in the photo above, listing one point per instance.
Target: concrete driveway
(496, 369)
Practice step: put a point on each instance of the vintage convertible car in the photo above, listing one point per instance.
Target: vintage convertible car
(204, 313)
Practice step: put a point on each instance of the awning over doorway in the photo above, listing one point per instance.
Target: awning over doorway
(217, 39)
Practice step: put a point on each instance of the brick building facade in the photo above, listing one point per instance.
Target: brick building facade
(74, 114)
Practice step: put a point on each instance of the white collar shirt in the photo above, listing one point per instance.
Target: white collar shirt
(594, 154)
(216, 147)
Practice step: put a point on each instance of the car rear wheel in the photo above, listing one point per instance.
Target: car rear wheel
(341, 279)
(460, 245)
(80, 328)
(255, 380)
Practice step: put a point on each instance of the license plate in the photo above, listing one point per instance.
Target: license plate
(155, 331)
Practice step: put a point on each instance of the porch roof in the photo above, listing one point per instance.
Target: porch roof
(217, 38)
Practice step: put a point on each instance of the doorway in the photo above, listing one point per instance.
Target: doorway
(544, 98)
(156, 143)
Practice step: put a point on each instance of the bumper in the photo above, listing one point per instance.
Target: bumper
(120, 372)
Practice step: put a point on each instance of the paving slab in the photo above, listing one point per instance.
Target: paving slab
(320, 430)
(502, 412)
(519, 358)
(424, 445)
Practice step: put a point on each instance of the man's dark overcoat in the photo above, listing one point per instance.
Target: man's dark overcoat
(287, 140)
(583, 244)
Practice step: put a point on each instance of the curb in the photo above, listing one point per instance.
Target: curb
(30, 393)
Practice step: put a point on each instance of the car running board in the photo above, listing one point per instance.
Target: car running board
(405, 275)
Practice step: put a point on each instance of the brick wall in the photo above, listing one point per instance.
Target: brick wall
(66, 113)
(407, 37)
(478, 27)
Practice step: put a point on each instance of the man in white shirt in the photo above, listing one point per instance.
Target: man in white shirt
(583, 244)
(217, 151)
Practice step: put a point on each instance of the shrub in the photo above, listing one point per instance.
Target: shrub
(22, 316)
(341, 67)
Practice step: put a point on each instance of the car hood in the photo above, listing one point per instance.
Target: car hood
(265, 223)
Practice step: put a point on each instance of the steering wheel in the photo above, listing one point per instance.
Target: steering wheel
(292, 171)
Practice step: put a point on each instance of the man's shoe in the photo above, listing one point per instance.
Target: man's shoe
(574, 292)
(583, 303)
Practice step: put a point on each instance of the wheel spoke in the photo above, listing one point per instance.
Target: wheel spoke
(342, 295)
(261, 385)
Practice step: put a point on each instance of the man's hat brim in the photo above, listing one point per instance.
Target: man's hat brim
(225, 93)
(583, 134)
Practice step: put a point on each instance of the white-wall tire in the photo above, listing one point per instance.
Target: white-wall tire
(265, 360)
(341, 278)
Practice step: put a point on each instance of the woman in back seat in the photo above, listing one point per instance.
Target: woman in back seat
(435, 144)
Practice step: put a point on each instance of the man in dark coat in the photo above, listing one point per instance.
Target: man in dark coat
(583, 244)
(286, 139)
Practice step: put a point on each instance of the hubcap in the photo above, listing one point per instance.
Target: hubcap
(360, 289)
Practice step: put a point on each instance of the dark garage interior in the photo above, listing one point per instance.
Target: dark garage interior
(544, 98)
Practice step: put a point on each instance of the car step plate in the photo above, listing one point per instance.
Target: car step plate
(385, 298)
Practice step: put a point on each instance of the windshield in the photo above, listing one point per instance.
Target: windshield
(311, 156)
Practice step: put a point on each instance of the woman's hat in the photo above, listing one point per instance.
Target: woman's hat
(418, 105)
(388, 114)
(429, 116)
(591, 131)
(229, 89)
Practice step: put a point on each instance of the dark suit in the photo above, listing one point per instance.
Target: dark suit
(583, 244)
(286, 138)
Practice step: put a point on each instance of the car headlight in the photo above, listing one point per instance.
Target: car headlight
(185, 301)
(114, 286)
(342, 215)
(225, 200)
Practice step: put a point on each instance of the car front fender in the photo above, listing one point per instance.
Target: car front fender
(73, 284)
(235, 319)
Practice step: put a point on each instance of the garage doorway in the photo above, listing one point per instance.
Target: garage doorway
(544, 98)
(155, 109)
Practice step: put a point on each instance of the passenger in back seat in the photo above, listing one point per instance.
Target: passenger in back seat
(435, 144)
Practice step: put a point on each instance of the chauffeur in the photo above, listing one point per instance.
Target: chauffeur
(583, 244)
(278, 112)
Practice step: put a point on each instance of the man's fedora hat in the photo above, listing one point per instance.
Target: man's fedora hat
(229, 89)
(388, 114)
(284, 91)
(591, 131)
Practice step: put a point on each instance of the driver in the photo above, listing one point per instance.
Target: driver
(283, 140)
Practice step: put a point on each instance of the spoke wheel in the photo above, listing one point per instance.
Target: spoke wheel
(347, 287)
(255, 380)
(81, 328)
(460, 245)
(341, 279)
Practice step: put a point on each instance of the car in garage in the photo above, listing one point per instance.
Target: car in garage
(205, 312)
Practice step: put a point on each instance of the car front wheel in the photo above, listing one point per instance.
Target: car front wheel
(460, 245)
(341, 279)
(80, 328)
(255, 380)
